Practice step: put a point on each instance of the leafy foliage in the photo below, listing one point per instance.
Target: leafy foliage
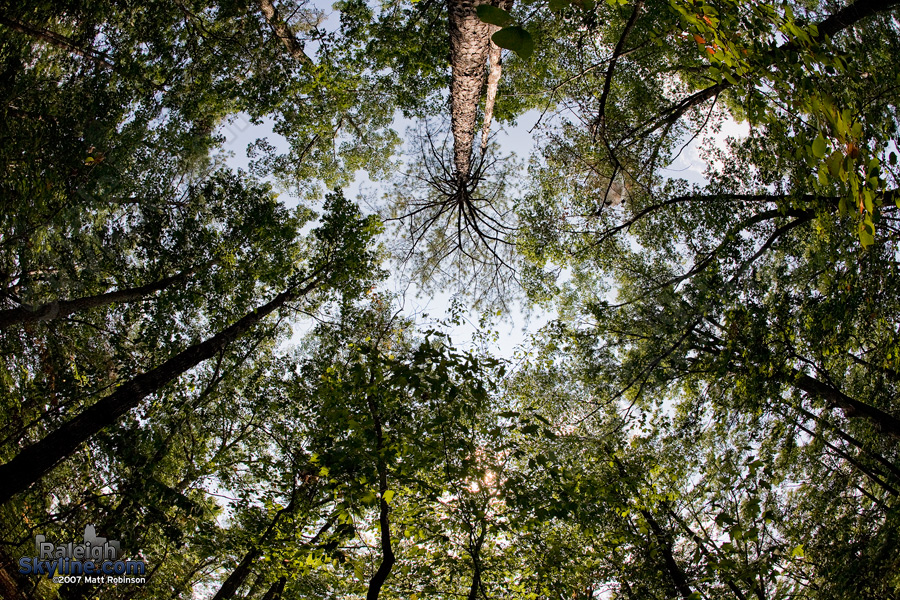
(203, 363)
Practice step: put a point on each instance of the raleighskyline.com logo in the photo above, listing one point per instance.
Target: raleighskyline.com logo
(96, 560)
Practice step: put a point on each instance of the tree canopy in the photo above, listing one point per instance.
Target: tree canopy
(208, 364)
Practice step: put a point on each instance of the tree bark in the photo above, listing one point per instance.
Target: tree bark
(676, 575)
(496, 68)
(239, 575)
(705, 551)
(284, 33)
(34, 461)
(60, 309)
(853, 461)
(891, 467)
(475, 544)
(274, 592)
(852, 408)
(55, 39)
(469, 46)
(10, 586)
(384, 524)
(242, 571)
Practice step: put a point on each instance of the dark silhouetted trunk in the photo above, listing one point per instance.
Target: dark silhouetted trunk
(34, 461)
(63, 308)
(55, 39)
(676, 576)
(276, 590)
(384, 523)
(852, 408)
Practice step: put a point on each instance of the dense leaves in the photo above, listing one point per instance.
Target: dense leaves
(204, 363)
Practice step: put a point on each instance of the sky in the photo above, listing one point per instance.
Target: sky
(511, 333)
(430, 311)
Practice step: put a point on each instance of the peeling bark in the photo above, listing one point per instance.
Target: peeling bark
(496, 68)
(469, 46)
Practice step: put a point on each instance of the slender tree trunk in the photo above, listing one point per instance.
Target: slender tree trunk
(852, 408)
(469, 45)
(676, 575)
(239, 575)
(284, 33)
(34, 461)
(891, 468)
(701, 544)
(493, 80)
(55, 39)
(276, 590)
(853, 461)
(384, 523)
(475, 544)
(61, 309)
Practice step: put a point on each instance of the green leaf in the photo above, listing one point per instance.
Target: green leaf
(493, 15)
(516, 39)
(819, 147)
(558, 5)
(835, 162)
(865, 238)
(388, 496)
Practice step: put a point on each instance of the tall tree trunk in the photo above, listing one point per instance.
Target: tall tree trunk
(384, 523)
(469, 45)
(852, 408)
(284, 33)
(240, 574)
(677, 576)
(701, 545)
(276, 590)
(55, 39)
(874, 477)
(237, 577)
(475, 544)
(493, 80)
(891, 467)
(34, 461)
(61, 309)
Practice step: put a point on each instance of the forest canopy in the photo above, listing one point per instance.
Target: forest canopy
(211, 365)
